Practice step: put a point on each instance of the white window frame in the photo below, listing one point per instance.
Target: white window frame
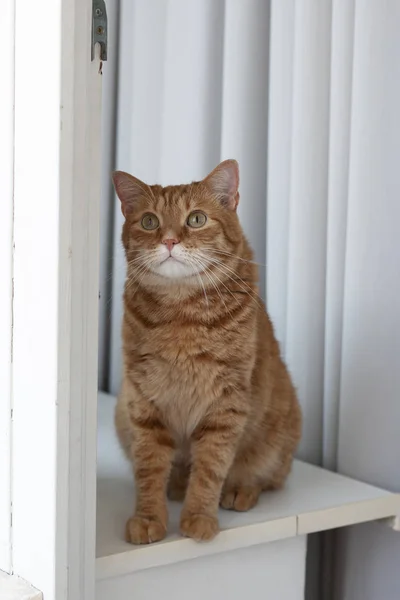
(49, 236)
(6, 235)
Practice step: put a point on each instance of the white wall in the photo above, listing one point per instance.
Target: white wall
(107, 199)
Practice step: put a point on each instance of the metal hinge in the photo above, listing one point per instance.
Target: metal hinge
(99, 27)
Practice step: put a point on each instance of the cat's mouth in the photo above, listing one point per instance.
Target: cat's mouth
(172, 267)
(172, 258)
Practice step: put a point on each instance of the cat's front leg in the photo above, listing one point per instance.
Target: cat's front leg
(214, 446)
(152, 453)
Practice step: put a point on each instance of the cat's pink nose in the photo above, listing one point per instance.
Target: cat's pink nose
(170, 243)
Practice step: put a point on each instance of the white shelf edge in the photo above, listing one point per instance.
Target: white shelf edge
(385, 510)
(377, 505)
(391, 522)
(350, 514)
(182, 549)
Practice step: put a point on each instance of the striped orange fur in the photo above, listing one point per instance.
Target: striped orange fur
(207, 411)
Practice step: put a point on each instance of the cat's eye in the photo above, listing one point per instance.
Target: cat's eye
(150, 222)
(196, 219)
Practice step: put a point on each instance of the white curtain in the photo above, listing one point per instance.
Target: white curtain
(306, 95)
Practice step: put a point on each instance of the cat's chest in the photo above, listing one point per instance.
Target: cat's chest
(178, 346)
(181, 384)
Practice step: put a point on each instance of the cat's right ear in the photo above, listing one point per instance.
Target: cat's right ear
(129, 189)
(223, 182)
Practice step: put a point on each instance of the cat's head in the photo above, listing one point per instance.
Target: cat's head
(178, 232)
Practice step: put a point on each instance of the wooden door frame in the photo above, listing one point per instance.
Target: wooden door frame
(49, 300)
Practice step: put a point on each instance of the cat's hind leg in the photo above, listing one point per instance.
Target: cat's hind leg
(277, 479)
(242, 487)
(240, 497)
(251, 473)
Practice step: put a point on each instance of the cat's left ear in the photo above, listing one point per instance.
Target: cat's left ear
(223, 183)
(129, 189)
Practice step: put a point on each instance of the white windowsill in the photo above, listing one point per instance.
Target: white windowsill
(15, 588)
(313, 500)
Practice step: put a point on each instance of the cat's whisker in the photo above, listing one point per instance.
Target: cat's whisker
(139, 282)
(210, 274)
(236, 277)
(204, 289)
(224, 269)
(143, 255)
(130, 281)
(211, 277)
(190, 259)
(230, 254)
(141, 271)
(214, 260)
(205, 272)
(145, 258)
(120, 253)
(125, 266)
(108, 303)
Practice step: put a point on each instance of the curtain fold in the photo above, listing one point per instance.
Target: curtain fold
(244, 125)
(305, 207)
(369, 412)
(341, 74)
(306, 95)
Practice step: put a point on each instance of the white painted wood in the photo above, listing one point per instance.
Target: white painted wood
(313, 500)
(107, 196)
(6, 234)
(15, 588)
(393, 523)
(56, 200)
(274, 571)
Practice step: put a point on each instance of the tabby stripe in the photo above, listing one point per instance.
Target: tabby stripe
(208, 478)
(150, 472)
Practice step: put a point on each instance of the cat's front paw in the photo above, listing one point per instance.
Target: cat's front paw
(199, 527)
(144, 530)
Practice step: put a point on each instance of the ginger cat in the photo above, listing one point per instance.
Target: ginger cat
(207, 411)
